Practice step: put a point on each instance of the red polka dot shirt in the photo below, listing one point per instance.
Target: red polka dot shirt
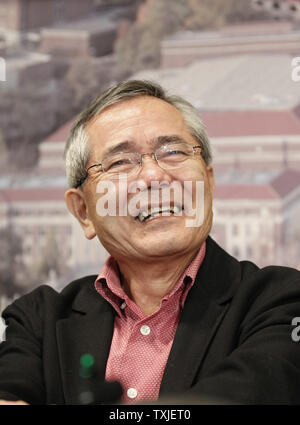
(141, 344)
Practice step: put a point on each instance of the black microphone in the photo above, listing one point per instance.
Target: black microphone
(92, 391)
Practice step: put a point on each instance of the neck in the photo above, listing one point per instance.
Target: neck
(146, 283)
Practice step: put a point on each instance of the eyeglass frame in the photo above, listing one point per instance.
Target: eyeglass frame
(153, 155)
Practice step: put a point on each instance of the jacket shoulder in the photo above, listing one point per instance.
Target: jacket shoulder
(45, 301)
(268, 292)
(270, 276)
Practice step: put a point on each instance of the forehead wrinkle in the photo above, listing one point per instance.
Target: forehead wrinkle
(158, 141)
(173, 138)
(126, 145)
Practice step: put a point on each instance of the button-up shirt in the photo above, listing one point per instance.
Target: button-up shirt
(141, 344)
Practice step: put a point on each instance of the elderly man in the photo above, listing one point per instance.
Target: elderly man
(170, 314)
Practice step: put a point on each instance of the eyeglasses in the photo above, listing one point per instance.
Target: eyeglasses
(168, 157)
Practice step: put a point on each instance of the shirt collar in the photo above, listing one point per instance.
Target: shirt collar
(109, 286)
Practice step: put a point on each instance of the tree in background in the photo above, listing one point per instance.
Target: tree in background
(86, 78)
(139, 47)
(206, 14)
(11, 266)
(29, 114)
(51, 260)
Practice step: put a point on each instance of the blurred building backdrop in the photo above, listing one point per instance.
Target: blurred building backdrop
(233, 61)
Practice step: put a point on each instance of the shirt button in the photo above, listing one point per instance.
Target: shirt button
(145, 330)
(123, 305)
(132, 392)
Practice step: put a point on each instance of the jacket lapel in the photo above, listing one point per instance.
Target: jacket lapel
(205, 307)
(88, 330)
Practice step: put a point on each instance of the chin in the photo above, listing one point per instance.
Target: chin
(162, 247)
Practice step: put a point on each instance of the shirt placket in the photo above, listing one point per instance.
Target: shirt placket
(148, 333)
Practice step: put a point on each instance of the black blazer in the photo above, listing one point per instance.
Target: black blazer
(233, 343)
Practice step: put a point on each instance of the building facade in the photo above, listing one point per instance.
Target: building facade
(259, 221)
(39, 216)
(183, 48)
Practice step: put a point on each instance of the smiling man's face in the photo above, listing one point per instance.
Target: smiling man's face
(142, 122)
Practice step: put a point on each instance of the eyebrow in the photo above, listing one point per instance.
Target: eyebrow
(125, 146)
(130, 145)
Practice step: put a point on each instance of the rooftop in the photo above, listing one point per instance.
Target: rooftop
(251, 123)
(240, 82)
(239, 29)
(31, 194)
(62, 133)
(278, 187)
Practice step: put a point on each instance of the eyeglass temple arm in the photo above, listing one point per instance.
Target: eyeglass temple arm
(94, 165)
(80, 183)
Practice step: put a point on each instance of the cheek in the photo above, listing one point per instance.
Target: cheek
(103, 202)
(195, 171)
(196, 179)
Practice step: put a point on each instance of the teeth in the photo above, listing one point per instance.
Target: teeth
(157, 211)
(142, 216)
(166, 209)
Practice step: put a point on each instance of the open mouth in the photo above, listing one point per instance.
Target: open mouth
(155, 212)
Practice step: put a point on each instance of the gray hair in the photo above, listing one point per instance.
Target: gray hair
(77, 145)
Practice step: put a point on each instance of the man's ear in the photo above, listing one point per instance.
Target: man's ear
(77, 206)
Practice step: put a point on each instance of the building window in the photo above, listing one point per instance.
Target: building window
(247, 229)
(235, 229)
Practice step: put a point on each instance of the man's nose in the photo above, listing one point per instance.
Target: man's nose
(151, 170)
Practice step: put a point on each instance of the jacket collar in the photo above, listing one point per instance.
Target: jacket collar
(204, 310)
(87, 299)
(220, 273)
